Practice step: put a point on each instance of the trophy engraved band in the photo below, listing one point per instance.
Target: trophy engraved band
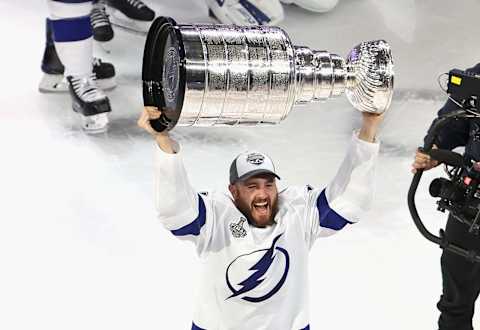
(224, 75)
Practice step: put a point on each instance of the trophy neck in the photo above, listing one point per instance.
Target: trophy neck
(320, 75)
(366, 76)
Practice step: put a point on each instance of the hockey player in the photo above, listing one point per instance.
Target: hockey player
(254, 243)
(261, 12)
(53, 80)
(72, 35)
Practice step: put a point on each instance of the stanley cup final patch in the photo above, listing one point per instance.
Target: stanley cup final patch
(237, 228)
(255, 159)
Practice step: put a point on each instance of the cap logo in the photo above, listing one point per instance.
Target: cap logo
(255, 159)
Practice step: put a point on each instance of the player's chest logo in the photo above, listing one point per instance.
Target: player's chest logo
(237, 228)
(258, 275)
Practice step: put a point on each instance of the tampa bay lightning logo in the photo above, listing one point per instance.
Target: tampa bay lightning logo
(270, 270)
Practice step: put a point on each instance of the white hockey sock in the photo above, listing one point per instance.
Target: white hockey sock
(72, 34)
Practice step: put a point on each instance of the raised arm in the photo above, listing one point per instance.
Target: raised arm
(180, 208)
(350, 194)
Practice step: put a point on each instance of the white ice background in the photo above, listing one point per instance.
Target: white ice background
(80, 247)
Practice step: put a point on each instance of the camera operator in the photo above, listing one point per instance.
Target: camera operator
(461, 277)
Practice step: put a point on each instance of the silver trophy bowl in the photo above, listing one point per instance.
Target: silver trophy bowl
(226, 75)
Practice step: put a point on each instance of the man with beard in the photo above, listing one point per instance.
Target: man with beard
(254, 243)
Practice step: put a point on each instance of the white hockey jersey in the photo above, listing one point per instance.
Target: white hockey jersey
(257, 278)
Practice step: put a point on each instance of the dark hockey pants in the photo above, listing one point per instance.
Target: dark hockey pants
(461, 280)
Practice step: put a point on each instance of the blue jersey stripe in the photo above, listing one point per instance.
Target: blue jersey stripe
(71, 29)
(195, 327)
(194, 227)
(306, 328)
(328, 217)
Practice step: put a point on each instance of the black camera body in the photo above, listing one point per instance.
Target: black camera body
(460, 194)
(465, 86)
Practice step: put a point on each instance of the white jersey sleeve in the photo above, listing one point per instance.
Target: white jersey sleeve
(347, 197)
(181, 210)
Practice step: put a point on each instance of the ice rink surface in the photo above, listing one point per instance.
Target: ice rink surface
(80, 247)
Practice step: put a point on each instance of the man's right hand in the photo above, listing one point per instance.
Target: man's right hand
(423, 161)
(162, 138)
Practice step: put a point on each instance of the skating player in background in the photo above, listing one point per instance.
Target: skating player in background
(68, 62)
(461, 278)
(72, 40)
(261, 12)
(254, 242)
(53, 79)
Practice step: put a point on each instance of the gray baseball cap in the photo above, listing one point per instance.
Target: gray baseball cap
(251, 163)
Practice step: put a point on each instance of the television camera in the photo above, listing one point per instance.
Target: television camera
(460, 192)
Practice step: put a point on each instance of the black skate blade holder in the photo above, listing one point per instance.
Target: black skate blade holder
(164, 37)
(440, 240)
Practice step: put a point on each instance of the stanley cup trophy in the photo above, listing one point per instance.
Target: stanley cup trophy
(224, 75)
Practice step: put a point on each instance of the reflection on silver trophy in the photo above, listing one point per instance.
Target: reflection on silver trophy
(218, 75)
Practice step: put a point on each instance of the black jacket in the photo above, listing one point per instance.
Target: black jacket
(460, 132)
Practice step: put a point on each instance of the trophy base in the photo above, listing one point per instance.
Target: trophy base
(163, 72)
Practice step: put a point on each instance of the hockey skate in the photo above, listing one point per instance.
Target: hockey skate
(101, 26)
(246, 12)
(53, 80)
(90, 103)
(131, 15)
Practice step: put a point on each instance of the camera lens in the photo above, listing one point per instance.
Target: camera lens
(436, 187)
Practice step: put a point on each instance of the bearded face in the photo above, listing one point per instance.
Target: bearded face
(256, 198)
